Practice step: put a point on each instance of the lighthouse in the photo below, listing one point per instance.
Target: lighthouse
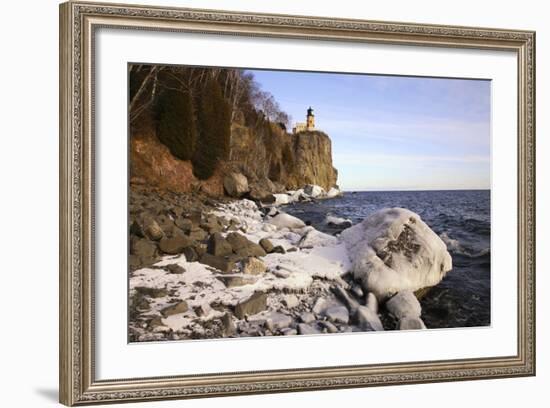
(310, 119)
(309, 125)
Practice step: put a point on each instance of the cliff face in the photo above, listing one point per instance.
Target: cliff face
(271, 159)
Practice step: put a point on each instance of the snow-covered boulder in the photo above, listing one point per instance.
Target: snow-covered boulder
(333, 192)
(404, 304)
(283, 220)
(314, 238)
(314, 190)
(333, 221)
(393, 250)
(281, 199)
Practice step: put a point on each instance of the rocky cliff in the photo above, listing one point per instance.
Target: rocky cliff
(270, 159)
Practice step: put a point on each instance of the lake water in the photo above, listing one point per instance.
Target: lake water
(461, 218)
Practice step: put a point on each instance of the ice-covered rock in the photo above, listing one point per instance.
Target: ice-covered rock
(411, 323)
(315, 238)
(282, 199)
(283, 220)
(314, 190)
(394, 250)
(368, 320)
(333, 221)
(333, 192)
(404, 304)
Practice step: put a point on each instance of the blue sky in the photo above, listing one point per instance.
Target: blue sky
(394, 133)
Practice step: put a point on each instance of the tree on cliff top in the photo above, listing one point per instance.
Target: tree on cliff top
(214, 119)
(176, 123)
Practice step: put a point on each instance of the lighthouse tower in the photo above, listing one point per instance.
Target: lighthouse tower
(310, 119)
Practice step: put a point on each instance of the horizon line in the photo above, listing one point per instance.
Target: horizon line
(414, 189)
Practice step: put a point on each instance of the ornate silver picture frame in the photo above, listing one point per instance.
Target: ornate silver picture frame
(79, 22)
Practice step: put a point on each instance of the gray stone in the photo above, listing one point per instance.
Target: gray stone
(174, 245)
(291, 301)
(289, 332)
(372, 302)
(266, 245)
(307, 329)
(357, 290)
(253, 266)
(225, 265)
(180, 307)
(345, 298)
(228, 324)
(174, 268)
(152, 292)
(254, 304)
(411, 323)
(368, 320)
(331, 328)
(320, 305)
(337, 314)
(218, 245)
(276, 321)
(307, 317)
(202, 310)
(404, 304)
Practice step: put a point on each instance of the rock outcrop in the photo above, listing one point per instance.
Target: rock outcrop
(393, 250)
(264, 160)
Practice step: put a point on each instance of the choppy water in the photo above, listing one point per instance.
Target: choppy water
(460, 218)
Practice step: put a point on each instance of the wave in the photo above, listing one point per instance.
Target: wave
(454, 246)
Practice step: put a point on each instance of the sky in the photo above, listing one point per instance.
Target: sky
(394, 133)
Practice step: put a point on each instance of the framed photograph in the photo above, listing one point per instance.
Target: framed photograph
(256, 203)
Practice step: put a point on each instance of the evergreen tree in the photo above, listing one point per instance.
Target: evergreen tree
(214, 119)
(176, 123)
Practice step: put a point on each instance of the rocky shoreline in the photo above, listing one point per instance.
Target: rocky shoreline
(202, 268)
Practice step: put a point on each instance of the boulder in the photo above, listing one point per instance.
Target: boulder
(235, 185)
(337, 314)
(266, 245)
(152, 230)
(143, 247)
(367, 319)
(224, 265)
(404, 304)
(256, 303)
(190, 254)
(174, 268)
(393, 250)
(151, 292)
(180, 307)
(283, 220)
(307, 317)
(305, 329)
(218, 245)
(243, 247)
(314, 238)
(291, 301)
(232, 281)
(276, 321)
(175, 245)
(411, 323)
(281, 199)
(333, 192)
(253, 266)
(314, 191)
